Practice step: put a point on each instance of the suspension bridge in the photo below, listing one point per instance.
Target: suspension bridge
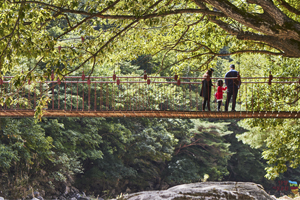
(149, 96)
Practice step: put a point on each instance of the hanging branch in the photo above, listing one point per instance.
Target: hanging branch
(181, 37)
(112, 38)
(11, 35)
(93, 67)
(74, 27)
(206, 63)
(103, 46)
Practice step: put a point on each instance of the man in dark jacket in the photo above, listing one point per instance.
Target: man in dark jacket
(232, 87)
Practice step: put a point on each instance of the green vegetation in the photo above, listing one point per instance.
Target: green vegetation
(105, 154)
(110, 156)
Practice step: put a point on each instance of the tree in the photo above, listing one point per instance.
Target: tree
(24, 149)
(203, 151)
(46, 155)
(246, 164)
(106, 31)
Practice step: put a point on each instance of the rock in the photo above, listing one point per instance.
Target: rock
(206, 191)
(38, 196)
(72, 193)
(285, 198)
(78, 197)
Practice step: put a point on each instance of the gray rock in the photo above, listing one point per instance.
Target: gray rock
(206, 191)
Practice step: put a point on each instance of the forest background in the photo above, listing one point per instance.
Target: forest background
(107, 156)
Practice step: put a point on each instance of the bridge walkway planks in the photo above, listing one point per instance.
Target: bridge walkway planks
(153, 114)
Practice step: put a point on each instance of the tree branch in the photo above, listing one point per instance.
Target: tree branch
(99, 50)
(183, 34)
(112, 38)
(154, 15)
(251, 51)
(289, 7)
(67, 18)
(188, 58)
(206, 63)
(132, 17)
(181, 37)
(88, 18)
(5, 36)
(269, 7)
(94, 64)
(187, 51)
(11, 35)
(290, 29)
(74, 27)
(273, 41)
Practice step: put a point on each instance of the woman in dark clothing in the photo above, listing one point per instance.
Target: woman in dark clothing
(206, 89)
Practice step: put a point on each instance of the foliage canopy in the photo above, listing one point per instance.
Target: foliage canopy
(67, 35)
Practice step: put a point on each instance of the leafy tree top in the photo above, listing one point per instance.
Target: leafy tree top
(75, 33)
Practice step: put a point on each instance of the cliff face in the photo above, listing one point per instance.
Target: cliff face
(206, 191)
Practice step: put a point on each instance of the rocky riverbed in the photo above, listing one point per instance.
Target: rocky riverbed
(201, 190)
(206, 191)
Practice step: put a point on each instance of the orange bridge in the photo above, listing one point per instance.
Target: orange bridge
(150, 96)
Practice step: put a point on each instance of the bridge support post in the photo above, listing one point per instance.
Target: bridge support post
(270, 78)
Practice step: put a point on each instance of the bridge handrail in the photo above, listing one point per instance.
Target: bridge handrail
(65, 80)
(163, 77)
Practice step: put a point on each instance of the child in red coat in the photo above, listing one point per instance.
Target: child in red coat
(219, 93)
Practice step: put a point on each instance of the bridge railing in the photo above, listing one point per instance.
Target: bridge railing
(148, 93)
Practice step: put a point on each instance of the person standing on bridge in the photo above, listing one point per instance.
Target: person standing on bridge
(219, 93)
(232, 86)
(206, 89)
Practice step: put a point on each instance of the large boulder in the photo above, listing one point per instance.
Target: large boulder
(206, 191)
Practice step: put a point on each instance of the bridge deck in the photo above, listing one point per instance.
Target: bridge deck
(153, 114)
(153, 97)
